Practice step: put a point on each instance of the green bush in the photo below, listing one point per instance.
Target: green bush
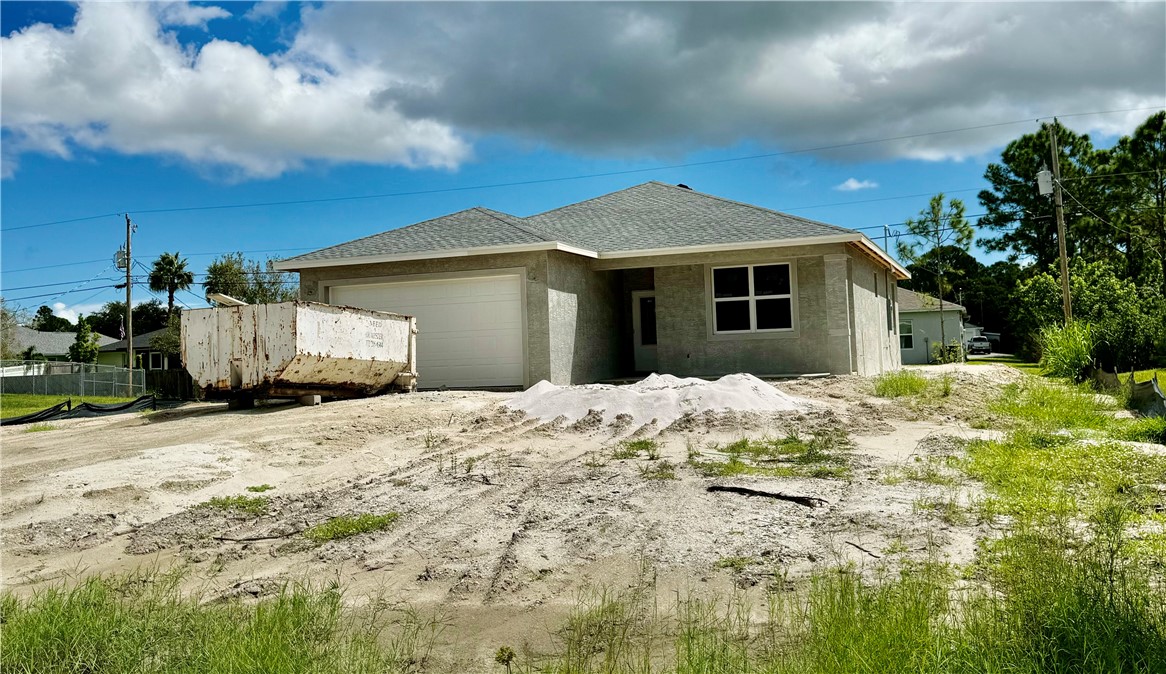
(1067, 350)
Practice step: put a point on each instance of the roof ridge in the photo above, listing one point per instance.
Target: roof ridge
(577, 203)
(516, 225)
(753, 206)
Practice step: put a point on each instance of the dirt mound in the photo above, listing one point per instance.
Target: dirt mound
(664, 398)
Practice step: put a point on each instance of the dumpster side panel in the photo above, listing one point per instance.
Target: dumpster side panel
(297, 348)
(347, 348)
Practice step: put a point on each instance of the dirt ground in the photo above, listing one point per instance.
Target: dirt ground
(503, 521)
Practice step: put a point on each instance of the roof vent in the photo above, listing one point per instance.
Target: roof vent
(684, 186)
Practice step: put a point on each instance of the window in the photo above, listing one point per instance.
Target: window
(755, 298)
(906, 340)
(155, 360)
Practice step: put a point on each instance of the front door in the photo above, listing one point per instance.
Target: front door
(644, 330)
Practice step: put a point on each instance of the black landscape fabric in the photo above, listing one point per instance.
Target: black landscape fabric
(63, 411)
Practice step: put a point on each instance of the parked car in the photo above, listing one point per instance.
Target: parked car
(979, 345)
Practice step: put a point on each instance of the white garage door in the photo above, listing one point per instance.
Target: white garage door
(469, 330)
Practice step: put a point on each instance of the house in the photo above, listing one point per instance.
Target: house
(54, 346)
(919, 325)
(147, 357)
(652, 278)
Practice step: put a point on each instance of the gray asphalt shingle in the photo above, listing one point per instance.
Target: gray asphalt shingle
(472, 228)
(51, 343)
(912, 301)
(648, 216)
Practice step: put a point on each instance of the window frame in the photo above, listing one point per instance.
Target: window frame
(161, 360)
(909, 335)
(752, 299)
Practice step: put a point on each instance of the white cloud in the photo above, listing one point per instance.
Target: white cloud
(70, 312)
(410, 83)
(265, 11)
(117, 80)
(185, 14)
(852, 185)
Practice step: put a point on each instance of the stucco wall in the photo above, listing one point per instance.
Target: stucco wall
(538, 358)
(876, 337)
(584, 319)
(925, 332)
(686, 345)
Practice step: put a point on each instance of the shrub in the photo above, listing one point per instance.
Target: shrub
(1067, 350)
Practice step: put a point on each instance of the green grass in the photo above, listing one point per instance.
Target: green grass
(900, 383)
(244, 505)
(823, 456)
(19, 404)
(143, 623)
(259, 488)
(1051, 405)
(39, 428)
(347, 526)
(1147, 375)
(658, 470)
(630, 449)
(1011, 361)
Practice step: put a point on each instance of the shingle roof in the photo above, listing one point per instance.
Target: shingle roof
(51, 343)
(657, 215)
(910, 301)
(472, 228)
(140, 341)
(649, 216)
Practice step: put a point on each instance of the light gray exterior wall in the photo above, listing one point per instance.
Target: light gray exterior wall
(584, 311)
(925, 332)
(820, 341)
(875, 333)
(538, 353)
(578, 311)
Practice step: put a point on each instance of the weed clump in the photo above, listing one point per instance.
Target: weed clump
(630, 449)
(246, 505)
(347, 526)
(259, 488)
(822, 456)
(900, 383)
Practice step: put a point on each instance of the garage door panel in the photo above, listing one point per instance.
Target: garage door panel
(469, 330)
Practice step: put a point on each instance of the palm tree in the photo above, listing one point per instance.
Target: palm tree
(170, 274)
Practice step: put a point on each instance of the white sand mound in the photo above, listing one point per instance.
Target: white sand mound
(664, 398)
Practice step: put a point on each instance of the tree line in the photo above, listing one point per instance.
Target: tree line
(1115, 221)
(230, 274)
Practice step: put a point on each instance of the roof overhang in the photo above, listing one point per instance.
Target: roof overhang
(861, 241)
(294, 265)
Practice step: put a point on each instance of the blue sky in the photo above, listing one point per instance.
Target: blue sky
(151, 108)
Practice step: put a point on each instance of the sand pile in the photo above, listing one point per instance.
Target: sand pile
(664, 398)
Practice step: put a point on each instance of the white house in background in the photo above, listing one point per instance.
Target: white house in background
(919, 325)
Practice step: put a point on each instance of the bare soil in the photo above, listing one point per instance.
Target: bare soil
(504, 520)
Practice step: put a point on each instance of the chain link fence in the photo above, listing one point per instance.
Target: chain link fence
(62, 378)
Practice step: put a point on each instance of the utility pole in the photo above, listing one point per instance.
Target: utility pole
(129, 307)
(1060, 208)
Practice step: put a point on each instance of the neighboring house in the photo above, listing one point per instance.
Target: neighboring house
(52, 345)
(147, 357)
(919, 325)
(653, 278)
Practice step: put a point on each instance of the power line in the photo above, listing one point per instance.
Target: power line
(586, 176)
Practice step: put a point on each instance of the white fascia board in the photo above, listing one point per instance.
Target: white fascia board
(725, 247)
(293, 265)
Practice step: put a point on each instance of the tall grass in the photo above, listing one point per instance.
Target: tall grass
(1067, 350)
(143, 623)
(1050, 607)
(900, 383)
